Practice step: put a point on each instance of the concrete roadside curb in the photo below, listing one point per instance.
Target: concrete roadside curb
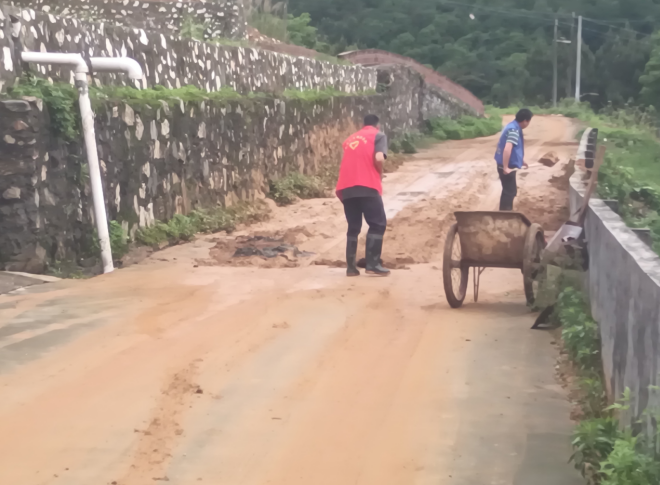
(10, 281)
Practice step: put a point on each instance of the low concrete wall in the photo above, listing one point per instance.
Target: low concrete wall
(623, 283)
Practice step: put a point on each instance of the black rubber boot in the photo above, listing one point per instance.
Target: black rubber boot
(374, 250)
(351, 256)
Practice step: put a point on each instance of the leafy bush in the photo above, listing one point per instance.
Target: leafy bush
(192, 29)
(627, 465)
(464, 128)
(604, 453)
(270, 25)
(180, 228)
(580, 332)
(286, 190)
(408, 144)
(153, 235)
(594, 399)
(61, 100)
(118, 240)
(593, 441)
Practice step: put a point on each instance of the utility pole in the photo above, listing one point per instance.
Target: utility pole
(578, 74)
(554, 63)
(571, 61)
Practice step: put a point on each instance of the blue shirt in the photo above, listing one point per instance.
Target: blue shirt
(512, 133)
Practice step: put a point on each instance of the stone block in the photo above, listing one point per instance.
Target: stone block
(12, 193)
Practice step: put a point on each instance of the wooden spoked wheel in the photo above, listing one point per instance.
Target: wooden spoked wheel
(455, 274)
(532, 267)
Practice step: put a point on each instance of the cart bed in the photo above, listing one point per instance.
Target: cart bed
(492, 239)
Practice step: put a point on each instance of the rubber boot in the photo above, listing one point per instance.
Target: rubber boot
(351, 256)
(374, 250)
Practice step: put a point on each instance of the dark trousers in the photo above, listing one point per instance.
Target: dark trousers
(373, 211)
(509, 189)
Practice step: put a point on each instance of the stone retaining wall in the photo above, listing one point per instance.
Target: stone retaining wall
(623, 284)
(221, 18)
(167, 60)
(442, 84)
(168, 159)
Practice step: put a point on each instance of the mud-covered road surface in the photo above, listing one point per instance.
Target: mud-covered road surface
(199, 366)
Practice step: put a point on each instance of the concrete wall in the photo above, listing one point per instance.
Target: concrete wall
(167, 60)
(623, 283)
(223, 18)
(168, 159)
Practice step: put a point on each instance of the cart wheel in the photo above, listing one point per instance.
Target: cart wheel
(532, 267)
(455, 276)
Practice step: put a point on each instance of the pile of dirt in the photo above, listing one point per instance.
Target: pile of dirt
(543, 194)
(264, 249)
(562, 182)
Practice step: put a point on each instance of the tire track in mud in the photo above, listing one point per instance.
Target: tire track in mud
(156, 445)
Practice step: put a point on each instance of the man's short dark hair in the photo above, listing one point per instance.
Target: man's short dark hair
(371, 120)
(524, 115)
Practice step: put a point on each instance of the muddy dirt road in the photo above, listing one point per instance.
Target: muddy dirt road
(195, 367)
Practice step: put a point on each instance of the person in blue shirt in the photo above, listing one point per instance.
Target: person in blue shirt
(510, 157)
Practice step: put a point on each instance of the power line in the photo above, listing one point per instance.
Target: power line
(624, 29)
(543, 17)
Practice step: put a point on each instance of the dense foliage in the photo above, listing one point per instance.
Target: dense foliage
(606, 451)
(502, 49)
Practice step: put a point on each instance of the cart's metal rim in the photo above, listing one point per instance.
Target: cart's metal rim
(497, 214)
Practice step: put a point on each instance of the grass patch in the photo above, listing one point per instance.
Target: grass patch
(153, 96)
(464, 128)
(66, 270)
(316, 95)
(294, 186)
(410, 143)
(61, 99)
(182, 228)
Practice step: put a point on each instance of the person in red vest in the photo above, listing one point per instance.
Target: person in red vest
(360, 189)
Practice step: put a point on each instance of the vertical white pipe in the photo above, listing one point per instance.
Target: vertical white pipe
(76, 62)
(578, 74)
(94, 171)
(554, 67)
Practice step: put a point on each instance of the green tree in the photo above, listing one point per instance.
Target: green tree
(300, 32)
(502, 49)
(650, 80)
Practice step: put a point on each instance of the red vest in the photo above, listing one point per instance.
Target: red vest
(357, 165)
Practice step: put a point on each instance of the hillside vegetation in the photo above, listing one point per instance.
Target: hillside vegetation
(502, 49)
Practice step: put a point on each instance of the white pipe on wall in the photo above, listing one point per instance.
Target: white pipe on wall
(75, 61)
(100, 215)
(80, 68)
(114, 64)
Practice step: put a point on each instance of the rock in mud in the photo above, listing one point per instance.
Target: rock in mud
(550, 159)
(331, 263)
